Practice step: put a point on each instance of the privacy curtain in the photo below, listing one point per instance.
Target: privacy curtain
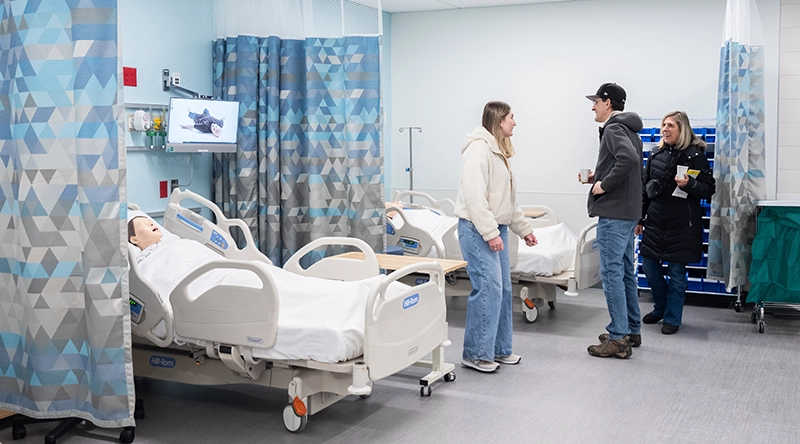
(309, 161)
(64, 321)
(739, 151)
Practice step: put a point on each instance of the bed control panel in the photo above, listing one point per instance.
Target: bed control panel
(218, 240)
(137, 310)
(409, 245)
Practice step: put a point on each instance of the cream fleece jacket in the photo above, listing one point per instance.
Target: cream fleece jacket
(487, 192)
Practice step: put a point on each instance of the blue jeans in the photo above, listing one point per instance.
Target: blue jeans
(489, 326)
(668, 297)
(193, 115)
(615, 242)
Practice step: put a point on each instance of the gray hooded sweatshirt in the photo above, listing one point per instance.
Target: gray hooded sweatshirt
(487, 190)
(619, 168)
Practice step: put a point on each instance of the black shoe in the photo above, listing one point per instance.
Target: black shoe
(620, 349)
(669, 329)
(634, 340)
(650, 318)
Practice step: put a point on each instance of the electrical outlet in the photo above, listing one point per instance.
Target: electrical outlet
(173, 184)
(176, 79)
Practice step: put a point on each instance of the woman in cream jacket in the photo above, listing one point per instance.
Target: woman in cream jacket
(487, 207)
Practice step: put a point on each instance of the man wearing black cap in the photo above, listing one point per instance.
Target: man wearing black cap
(616, 199)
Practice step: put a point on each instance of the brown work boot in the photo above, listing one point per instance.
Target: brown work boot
(635, 340)
(619, 348)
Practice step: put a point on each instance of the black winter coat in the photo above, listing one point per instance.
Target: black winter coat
(673, 226)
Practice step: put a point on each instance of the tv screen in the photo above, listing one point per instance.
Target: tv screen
(202, 125)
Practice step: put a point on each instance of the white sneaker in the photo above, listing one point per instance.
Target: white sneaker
(511, 359)
(480, 365)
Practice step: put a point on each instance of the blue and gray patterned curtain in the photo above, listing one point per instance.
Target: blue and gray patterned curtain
(64, 321)
(309, 161)
(739, 152)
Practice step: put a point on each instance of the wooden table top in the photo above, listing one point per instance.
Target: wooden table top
(535, 214)
(395, 262)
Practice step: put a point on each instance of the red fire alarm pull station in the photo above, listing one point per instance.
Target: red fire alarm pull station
(128, 76)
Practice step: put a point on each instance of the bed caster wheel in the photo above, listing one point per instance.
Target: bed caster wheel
(737, 306)
(292, 422)
(425, 391)
(450, 377)
(530, 314)
(552, 305)
(127, 435)
(363, 396)
(138, 411)
(18, 431)
(761, 326)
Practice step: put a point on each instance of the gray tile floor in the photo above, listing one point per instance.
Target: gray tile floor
(717, 380)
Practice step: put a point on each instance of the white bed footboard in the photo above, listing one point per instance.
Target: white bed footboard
(403, 328)
(228, 314)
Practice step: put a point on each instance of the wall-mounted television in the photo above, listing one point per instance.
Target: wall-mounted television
(202, 126)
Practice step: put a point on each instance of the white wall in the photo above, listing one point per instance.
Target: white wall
(176, 35)
(789, 126)
(543, 59)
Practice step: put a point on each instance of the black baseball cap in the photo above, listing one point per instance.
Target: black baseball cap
(609, 91)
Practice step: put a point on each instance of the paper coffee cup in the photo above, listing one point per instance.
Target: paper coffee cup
(682, 169)
(585, 175)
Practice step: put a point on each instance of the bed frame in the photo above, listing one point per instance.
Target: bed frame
(232, 320)
(532, 290)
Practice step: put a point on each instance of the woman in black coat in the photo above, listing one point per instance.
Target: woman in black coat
(673, 219)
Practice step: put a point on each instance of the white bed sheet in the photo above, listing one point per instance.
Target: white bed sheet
(433, 223)
(554, 253)
(319, 319)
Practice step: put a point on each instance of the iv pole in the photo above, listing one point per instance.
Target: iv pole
(410, 168)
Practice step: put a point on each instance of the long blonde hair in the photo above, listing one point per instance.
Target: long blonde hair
(493, 114)
(686, 136)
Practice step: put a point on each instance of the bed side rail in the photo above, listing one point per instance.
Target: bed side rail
(189, 225)
(452, 248)
(333, 267)
(148, 308)
(228, 314)
(445, 205)
(414, 240)
(587, 258)
(401, 329)
(548, 218)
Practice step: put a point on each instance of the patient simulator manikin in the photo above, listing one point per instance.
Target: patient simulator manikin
(143, 232)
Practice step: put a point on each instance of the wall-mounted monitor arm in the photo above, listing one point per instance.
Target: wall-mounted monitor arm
(168, 85)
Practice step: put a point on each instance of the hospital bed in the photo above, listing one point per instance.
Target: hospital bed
(224, 335)
(435, 236)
